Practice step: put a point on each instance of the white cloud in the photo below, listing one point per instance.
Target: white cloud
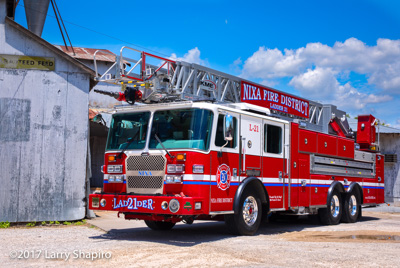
(269, 83)
(323, 73)
(317, 84)
(237, 62)
(192, 56)
(321, 84)
(272, 63)
(236, 66)
(380, 63)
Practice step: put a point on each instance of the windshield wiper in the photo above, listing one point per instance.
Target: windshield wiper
(162, 145)
(129, 141)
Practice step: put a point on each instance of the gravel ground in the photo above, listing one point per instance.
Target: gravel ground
(375, 241)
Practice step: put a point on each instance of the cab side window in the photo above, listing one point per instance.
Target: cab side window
(272, 139)
(219, 136)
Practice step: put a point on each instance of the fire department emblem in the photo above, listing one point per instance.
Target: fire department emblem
(223, 177)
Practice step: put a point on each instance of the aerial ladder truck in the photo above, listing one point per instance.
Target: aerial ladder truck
(199, 144)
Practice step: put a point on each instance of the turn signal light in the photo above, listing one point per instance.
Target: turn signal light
(112, 158)
(181, 157)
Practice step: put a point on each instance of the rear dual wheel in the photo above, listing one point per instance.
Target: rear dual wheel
(351, 207)
(333, 213)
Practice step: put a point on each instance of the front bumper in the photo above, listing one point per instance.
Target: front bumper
(146, 204)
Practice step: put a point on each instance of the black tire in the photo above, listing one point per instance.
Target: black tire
(351, 207)
(160, 225)
(248, 218)
(333, 213)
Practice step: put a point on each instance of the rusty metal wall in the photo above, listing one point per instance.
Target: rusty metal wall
(43, 135)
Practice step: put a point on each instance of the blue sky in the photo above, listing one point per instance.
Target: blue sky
(343, 52)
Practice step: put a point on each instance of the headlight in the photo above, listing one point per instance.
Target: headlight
(169, 179)
(119, 178)
(115, 178)
(180, 168)
(173, 178)
(176, 168)
(174, 205)
(177, 179)
(171, 168)
(114, 169)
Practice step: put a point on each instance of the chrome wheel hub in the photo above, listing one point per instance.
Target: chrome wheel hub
(250, 210)
(353, 205)
(335, 206)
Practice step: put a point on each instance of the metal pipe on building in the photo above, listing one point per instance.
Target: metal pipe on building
(36, 12)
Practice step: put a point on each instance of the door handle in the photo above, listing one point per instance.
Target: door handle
(243, 142)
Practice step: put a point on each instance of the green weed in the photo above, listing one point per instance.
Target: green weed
(4, 224)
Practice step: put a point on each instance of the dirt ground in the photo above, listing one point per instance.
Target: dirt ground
(372, 242)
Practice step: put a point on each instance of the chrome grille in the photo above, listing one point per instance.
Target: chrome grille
(145, 174)
(152, 162)
(145, 182)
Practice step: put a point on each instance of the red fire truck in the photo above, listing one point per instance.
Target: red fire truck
(210, 146)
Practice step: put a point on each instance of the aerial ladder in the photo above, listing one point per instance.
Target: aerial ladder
(148, 78)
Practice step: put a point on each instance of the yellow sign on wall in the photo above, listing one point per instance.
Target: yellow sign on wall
(27, 62)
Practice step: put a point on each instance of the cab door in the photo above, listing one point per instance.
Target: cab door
(250, 146)
(224, 163)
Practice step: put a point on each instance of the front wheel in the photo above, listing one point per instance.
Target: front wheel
(160, 225)
(247, 220)
(333, 213)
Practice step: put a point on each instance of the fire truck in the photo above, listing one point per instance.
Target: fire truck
(199, 144)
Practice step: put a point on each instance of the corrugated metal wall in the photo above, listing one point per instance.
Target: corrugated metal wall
(390, 144)
(43, 136)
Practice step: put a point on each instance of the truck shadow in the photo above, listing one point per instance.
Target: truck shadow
(185, 235)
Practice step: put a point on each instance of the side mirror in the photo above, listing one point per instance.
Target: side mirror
(229, 131)
(98, 118)
(228, 127)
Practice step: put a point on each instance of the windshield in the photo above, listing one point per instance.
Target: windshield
(182, 129)
(128, 131)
